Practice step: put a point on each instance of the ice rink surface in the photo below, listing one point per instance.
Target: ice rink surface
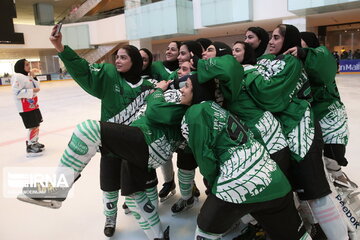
(64, 104)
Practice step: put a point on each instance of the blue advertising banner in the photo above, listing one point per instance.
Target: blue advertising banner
(350, 65)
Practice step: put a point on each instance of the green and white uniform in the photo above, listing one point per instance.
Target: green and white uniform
(160, 127)
(328, 109)
(119, 99)
(280, 86)
(232, 77)
(159, 71)
(238, 168)
(162, 141)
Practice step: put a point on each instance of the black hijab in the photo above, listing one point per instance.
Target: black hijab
(20, 67)
(173, 65)
(249, 55)
(222, 49)
(134, 74)
(147, 70)
(202, 92)
(310, 39)
(204, 42)
(292, 37)
(194, 47)
(263, 36)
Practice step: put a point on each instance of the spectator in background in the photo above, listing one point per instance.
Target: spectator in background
(344, 54)
(356, 54)
(25, 87)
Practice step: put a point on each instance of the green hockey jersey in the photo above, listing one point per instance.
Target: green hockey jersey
(266, 129)
(119, 99)
(320, 65)
(238, 168)
(161, 127)
(159, 71)
(280, 86)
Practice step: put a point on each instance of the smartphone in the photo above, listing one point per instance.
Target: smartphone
(58, 29)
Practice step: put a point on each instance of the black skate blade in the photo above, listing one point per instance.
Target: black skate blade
(53, 204)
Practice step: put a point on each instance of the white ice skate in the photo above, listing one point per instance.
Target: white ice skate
(44, 195)
(54, 204)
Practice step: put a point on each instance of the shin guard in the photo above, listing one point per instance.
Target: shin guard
(186, 183)
(110, 200)
(145, 214)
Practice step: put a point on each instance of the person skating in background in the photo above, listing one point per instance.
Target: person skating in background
(25, 87)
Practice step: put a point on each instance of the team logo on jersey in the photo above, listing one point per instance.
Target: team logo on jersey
(117, 88)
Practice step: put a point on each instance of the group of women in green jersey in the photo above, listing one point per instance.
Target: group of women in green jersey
(255, 124)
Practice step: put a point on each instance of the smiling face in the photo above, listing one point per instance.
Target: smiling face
(145, 59)
(123, 61)
(184, 54)
(185, 68)
(238, 52)
(172, 52)
(276, 42)
(187, 93)
(209, 53)
(252, 39)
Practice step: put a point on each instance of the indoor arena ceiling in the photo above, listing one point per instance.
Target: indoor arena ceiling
(25, 12)
(62, 7)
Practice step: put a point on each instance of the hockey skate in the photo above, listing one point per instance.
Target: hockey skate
(40, 145)
(110, 225)
(182, 205)
(44, 195)
(196, 191)
(168, 190)
(33, 150)
(166, 235)
(126, 209)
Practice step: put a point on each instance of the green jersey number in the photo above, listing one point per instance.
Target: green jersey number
(236, 130)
